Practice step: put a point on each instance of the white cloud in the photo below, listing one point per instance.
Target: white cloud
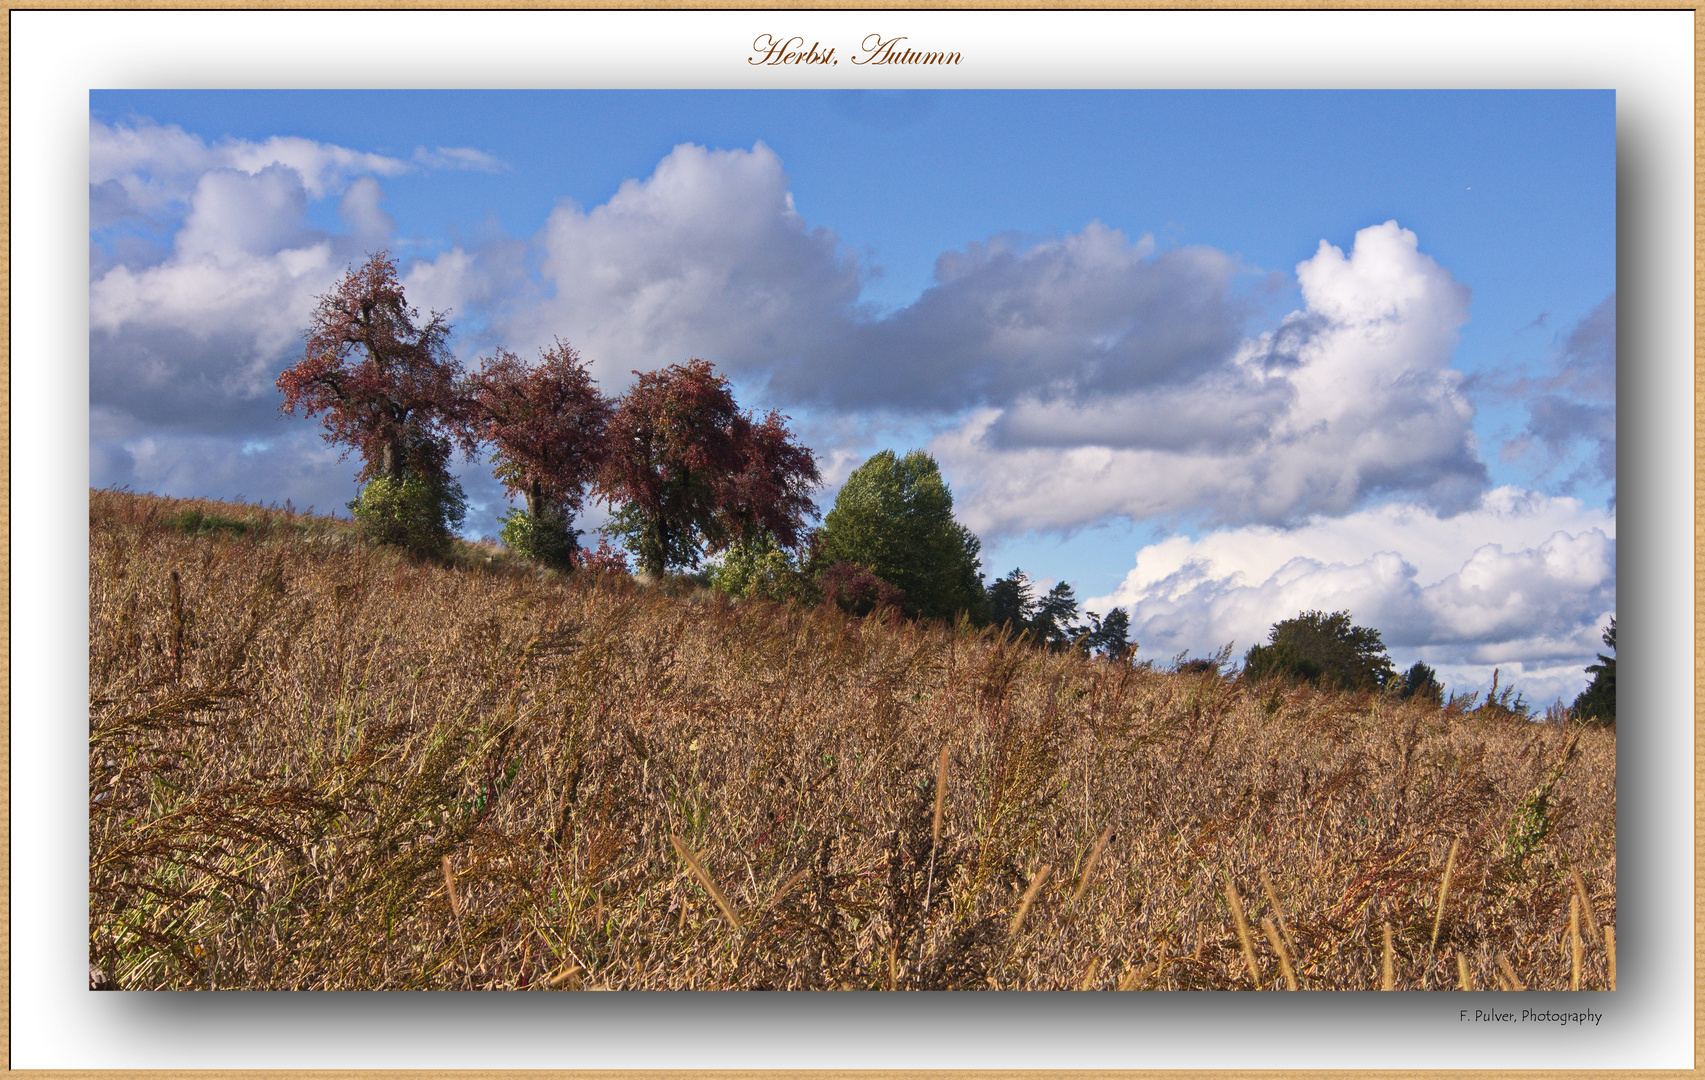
(1350, 398)
(156, 167)
(457, 157)
(1524, 583)
(707, 257)
(1073, 318)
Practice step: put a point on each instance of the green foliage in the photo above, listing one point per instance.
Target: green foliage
(546, 538)
(194, 522)
(1012, 602)
(1056, 618)
(1110, 636)
(894, 516)
(1325, 650)
(421, 515)
(1531, 822)
(1422, 683)
(1597, 703)
(762, 569)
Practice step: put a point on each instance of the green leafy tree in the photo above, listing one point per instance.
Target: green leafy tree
(1110, 636)
(1055, 622)
(894, 517)
(1421, 682)
(1325, 650)
(1597, 703)
(1012, 601)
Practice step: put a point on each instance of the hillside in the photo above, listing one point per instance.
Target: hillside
(317, 764)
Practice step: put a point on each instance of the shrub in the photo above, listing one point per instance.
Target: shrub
(762, 569)
(603, 560)
(420, 515)
(856, 589)
(546, 538)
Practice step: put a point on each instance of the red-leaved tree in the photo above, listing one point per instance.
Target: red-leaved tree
(546, 427)
(688, 470)
(386, 386)
(772, 491)
(383, 381)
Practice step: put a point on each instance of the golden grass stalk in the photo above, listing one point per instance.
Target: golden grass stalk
(450, 887)
(565, 974)
(1510, 973)
(1278, 942)
(1388, 968)
(786, 887)
(456, 910)
(1278, 908)
(1610, 955)
(1463, 981)
(935, 827)
(1444, 890)
(1236, 903)
(940, 798)
(1574, 943)
(1088, 979)
(699, 872)
(1587, 906)
(1089, 864)
(1036, 881)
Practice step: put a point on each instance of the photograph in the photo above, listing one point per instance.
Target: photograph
(881, 539)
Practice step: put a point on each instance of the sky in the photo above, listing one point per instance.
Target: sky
(1215, 357)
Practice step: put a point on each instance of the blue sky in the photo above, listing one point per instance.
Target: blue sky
(1087, 304)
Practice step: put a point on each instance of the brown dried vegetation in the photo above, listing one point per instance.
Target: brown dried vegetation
(319, 764)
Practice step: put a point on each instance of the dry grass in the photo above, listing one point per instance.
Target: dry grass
(315, 764)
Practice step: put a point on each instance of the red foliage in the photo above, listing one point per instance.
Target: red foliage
(386, 383)
(855, 589)
(546, 426)
(689, 467)
(772, 492)
(605, 560)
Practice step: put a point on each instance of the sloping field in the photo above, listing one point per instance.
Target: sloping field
(316, 764)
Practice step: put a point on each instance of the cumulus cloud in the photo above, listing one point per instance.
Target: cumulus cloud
(1086, 315)
(197, 340)
(1524, 582)
(709, 257)
(191, 343)
(1573, 409)
(706, 257)
(1351, 398)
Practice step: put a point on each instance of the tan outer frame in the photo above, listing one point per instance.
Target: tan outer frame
(933, 1074)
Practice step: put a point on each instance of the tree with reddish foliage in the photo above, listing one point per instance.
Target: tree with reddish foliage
(771, 494)
(386, 386)
(690, 471)
(546, 426)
